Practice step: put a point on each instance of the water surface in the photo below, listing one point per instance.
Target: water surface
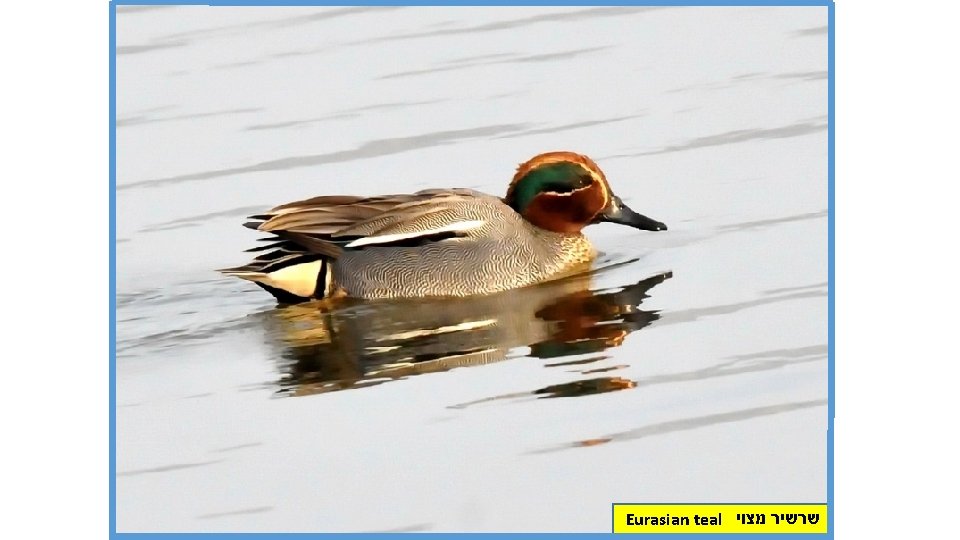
(691, 366)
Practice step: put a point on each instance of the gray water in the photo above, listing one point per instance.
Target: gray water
(691, 366)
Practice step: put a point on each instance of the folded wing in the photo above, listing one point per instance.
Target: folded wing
(306, 235)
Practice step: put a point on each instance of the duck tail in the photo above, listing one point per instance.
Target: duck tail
(291, 280)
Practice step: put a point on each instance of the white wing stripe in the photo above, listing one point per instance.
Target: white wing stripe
(459, 226)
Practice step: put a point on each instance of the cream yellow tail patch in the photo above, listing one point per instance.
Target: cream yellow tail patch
(298, 279)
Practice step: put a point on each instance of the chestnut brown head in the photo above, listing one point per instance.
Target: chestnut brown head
(564, 192)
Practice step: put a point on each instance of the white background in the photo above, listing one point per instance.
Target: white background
(896, 276)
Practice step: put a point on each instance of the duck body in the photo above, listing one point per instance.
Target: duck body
(504, 252)
(437, 242)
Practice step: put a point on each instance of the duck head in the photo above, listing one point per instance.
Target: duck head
(564, 192)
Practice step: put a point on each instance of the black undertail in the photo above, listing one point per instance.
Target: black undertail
(282, 296)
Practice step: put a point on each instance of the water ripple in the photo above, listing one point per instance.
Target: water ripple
(417, 527)
(142, 119)
(743, 363)
(565, 127)
(130, 10)
(382, 147)
(286, 22)
(346, 113)
(820, 285)
(565, 16)
(193, 221)
(513, 59)
(696, 422)
(137, 49)
(805, 75)
(753, 77)
(748, 225)
(168, 468)
(734, 137)
(690, 315)
(238, 447)
(243, 511)
(736, 365)
(815, 31)
(181, 39)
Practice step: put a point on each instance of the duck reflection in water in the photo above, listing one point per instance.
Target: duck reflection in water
(353, 344)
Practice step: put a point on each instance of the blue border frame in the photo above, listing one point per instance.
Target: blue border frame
(831, 229)
(280, 3)
(113, 269)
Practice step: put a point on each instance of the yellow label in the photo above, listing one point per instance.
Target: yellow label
(719, 518)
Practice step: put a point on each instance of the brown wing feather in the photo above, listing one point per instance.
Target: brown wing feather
(424, 210)
(311, 226)
(323, 225)
(327, 214)
(307, 234)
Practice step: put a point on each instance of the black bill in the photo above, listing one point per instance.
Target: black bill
(617, 212)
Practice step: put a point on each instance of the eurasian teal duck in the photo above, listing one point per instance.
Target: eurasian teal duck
(438, 242)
